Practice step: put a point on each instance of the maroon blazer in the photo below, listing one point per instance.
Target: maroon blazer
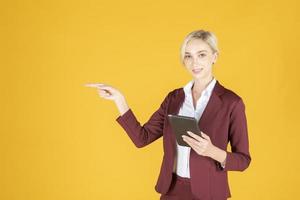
(223, 120)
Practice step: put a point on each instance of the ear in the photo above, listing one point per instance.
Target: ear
(215, 57)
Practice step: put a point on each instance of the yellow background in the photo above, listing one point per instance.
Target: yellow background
(60, 140)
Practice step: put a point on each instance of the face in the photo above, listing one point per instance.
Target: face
(199, 58)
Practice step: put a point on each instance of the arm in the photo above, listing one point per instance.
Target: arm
(239, 158)
(149, 131)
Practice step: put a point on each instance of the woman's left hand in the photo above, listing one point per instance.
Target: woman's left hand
(201, 146)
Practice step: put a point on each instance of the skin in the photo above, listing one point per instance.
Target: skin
(198, 55)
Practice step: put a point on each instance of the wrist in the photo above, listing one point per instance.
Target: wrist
(218, 154)
(212, 152)
(119, 99)
(122, 105)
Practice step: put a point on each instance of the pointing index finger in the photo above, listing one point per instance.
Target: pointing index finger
(96, 85)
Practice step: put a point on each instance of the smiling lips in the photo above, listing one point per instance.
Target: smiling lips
(196, 71)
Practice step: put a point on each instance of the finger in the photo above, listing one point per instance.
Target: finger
(193, 146)
(105, 87)
(187, 141)
(197, 137)
(191, 140)
(205, 136)
(103, 92)
(93, 84)
(106, 96)
(99, 85)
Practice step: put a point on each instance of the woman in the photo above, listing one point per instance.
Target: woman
(198, 171)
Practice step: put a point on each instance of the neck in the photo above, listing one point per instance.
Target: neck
(201, 84)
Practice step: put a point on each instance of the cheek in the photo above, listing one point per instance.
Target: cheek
(188, 66)
(204, 61)
(208, 62)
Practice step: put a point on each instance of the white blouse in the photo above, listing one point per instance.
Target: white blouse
(181, 164)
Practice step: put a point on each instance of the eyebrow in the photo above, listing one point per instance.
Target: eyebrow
(197, 51)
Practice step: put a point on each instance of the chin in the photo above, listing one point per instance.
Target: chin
(198, 76)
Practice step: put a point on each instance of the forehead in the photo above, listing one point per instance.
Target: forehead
(196, 45)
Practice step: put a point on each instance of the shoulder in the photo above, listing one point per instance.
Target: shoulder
(175, 92)
(230, 95)
(231, 99)
(171, 94)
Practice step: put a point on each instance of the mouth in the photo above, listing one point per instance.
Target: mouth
(196, 71)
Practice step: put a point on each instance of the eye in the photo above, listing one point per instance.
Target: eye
(202, 54)
(187, 56)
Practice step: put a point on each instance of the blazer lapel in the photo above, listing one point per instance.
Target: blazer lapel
(213, 106)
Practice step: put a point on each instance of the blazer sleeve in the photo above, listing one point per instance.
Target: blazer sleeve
(239, 158)
(142, 135)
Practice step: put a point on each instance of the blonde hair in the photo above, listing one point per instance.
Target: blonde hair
(206, 36)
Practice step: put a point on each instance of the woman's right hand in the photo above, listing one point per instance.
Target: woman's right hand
(109, 92)
(106, 91)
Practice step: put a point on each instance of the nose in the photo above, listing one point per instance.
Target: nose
(195, 62)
